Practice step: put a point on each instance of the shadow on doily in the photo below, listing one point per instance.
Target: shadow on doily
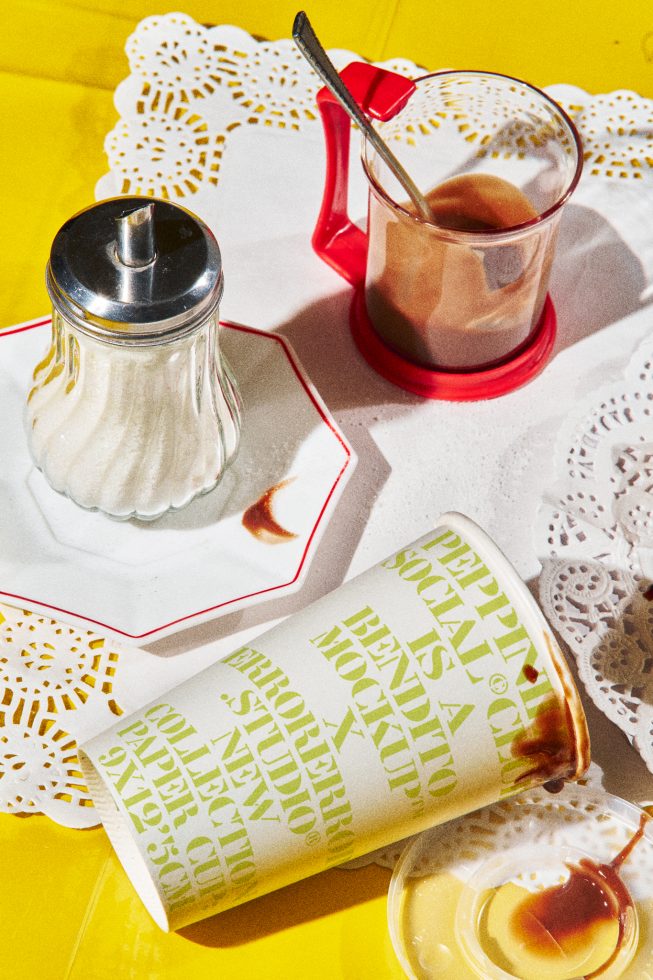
(320, 335)
(620, 669)
(597, 280)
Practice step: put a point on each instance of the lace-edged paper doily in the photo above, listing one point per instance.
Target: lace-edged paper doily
(190, 87)
(59, 686)
(595, 531)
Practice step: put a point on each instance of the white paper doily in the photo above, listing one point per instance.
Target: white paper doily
(189, 89)
(595, 529)
(59, 686)
(191, 86)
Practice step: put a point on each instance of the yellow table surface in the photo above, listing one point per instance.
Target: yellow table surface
(66, 906)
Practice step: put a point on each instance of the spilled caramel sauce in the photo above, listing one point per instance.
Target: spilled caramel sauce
(556, 743)
(547, 743)
(593, 894)
(259, 520)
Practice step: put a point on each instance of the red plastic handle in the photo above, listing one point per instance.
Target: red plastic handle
(381, 95)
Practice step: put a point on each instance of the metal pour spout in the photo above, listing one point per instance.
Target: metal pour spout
(135, 243)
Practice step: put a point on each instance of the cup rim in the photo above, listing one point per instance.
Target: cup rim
(488, 234)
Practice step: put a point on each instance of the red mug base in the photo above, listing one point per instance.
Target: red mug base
(456, 386)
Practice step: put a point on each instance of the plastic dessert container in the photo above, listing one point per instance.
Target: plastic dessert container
(540, 886)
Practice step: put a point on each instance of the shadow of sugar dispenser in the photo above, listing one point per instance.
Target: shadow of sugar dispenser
(133, 409)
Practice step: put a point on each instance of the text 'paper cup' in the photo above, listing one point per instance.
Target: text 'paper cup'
(421, 690)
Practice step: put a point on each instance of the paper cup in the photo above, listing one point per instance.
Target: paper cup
(421, 690)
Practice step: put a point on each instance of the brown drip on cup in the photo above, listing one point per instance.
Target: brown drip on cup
(578, 733)
(548, 742)
(554, 785)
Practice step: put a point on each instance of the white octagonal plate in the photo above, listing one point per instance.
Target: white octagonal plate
(144, 581)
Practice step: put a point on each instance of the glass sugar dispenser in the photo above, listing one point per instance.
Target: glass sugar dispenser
(134, 410)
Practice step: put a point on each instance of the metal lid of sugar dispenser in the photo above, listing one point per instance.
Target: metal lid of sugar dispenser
(134, 270)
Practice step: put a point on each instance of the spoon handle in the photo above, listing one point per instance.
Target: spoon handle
(309, 45)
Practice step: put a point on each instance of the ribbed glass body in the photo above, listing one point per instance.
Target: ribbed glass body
(133, 430)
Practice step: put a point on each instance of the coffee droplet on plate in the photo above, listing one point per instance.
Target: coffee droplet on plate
(260, 520)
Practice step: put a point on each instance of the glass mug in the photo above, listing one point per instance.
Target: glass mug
(456, 307)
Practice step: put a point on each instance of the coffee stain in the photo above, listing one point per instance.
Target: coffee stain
(576, 722)
(547, 745)
(261, 523)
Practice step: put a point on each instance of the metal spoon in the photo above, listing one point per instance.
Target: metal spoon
(307, 42)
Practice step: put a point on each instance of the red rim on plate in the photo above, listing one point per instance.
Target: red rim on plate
(235, 602)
